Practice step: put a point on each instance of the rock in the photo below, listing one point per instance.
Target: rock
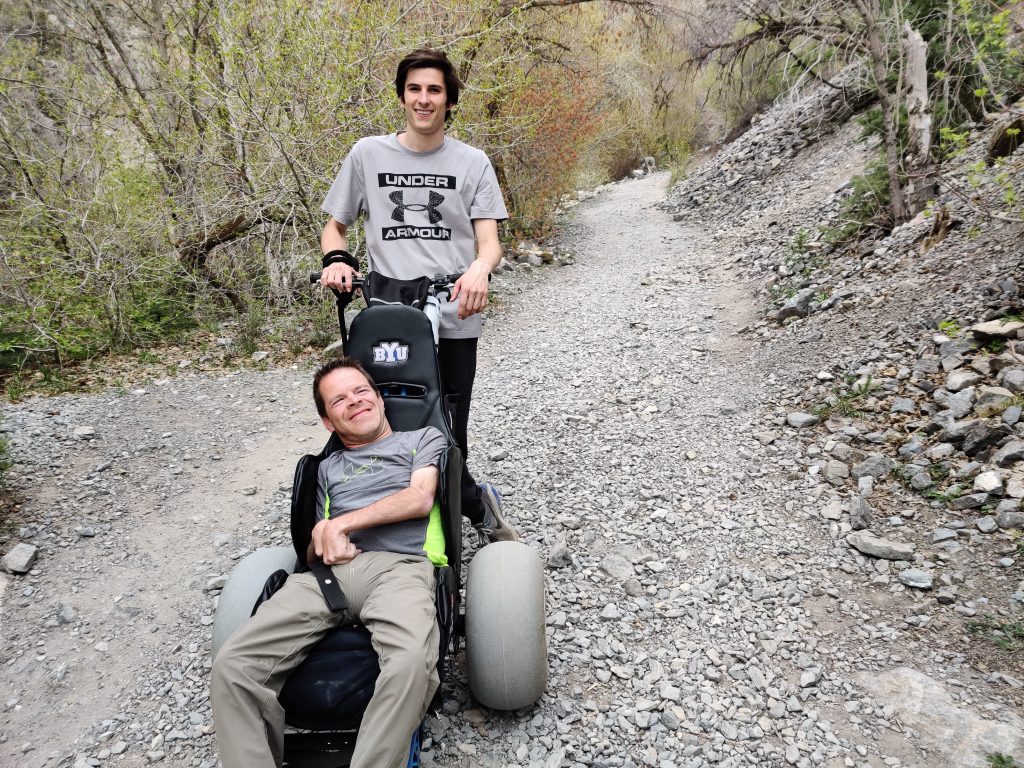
(559, 556)
(982, 436)
(875, 546)
(913, 577)
(1012, 379)
(21, 558)
(84, 433)
(943, 534)
(921, 481)
(797, 306)
(986, 524)
(792, 754)
(801, 420)
(875, 465)
(835, 471)
(961, 379)
(988, 482)
(1009, 454)
(861, 513)
(923, 703)
(610, 612)
(992, 400)
(1000, 329)
(1005, 562)
(961, 403)
(903, 405)
(970, 501)
(810, 677)
(259, 356)
(958, 430)
(833, 510)
(1008, 520)
(66, 614)
(617, 566)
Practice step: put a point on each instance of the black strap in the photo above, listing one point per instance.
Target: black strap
(329, 587)
(333, 257)
(343, 299)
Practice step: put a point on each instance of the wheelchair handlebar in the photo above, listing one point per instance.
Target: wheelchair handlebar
(439, 280)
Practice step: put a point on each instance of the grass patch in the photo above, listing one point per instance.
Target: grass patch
(5, 462)
(846, 401)
(999, 760)
(1007, 635)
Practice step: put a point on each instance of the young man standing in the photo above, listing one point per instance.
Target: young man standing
(432, 204)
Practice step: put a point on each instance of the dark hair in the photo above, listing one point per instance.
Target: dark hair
(430, 58)
(333, 365)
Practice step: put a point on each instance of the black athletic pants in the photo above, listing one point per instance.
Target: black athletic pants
(457, 361)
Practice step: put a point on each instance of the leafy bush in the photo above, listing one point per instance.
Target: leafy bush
(867, 206)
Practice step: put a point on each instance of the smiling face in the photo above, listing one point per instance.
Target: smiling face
(355, 413)
(425, 100)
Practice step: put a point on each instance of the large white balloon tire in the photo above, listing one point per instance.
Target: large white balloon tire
(506, 650)
(243, 587)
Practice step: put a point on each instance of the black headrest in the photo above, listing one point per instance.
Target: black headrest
(396, 345)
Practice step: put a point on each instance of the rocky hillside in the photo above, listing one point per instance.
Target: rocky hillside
(911, 350)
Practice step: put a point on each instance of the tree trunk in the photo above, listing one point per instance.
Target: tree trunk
(920, 167)
(890, 116)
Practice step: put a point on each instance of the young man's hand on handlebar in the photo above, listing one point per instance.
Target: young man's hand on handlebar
(338, 276)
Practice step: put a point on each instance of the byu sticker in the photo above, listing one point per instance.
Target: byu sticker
(390, 352)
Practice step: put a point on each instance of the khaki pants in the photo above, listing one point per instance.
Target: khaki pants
(393, 596)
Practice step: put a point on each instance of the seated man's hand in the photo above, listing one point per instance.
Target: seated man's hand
(331, 544)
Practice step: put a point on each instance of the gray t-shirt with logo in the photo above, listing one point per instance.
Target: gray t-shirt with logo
(354, 478)
(419, 210)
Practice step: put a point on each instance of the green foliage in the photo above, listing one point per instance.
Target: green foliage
(800, 257)
(867, 206)
(5, 460)
(999, 760)
(1007, 634)
(846, 400)
(250, 331)
(950, 327)
(153, 182)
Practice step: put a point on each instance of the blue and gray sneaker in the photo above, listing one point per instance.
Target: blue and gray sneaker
(494, 526)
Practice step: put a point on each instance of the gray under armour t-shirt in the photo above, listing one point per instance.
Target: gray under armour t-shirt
(354, 478)
(419, 210)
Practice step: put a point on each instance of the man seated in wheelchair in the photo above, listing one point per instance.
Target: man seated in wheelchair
(380, 532)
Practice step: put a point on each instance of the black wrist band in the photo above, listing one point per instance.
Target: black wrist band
(333, 257)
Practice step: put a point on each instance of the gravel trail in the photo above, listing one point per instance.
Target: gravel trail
(699, 611)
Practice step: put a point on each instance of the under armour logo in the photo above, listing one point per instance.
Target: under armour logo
(431, 207)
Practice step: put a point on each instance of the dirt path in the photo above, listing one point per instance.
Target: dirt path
(699, 611)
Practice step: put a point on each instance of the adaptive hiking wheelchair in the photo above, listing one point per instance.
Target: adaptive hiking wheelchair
(502, 619)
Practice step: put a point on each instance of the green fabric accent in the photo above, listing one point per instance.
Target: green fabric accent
(434, 544)
(327, 506)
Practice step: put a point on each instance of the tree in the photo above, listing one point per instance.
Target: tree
(165, 159)
(922, 57)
